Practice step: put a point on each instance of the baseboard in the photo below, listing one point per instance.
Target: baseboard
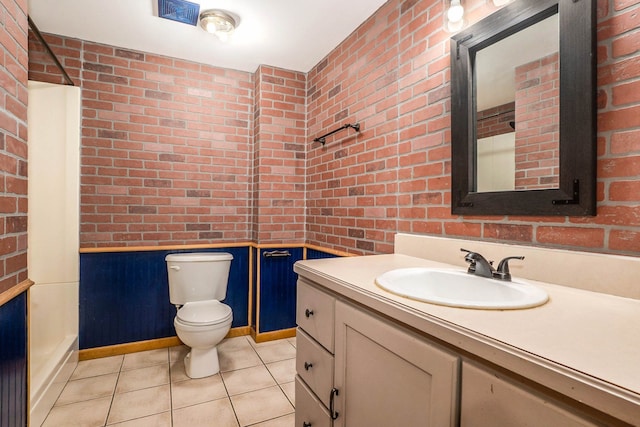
(271, 336)
(238, 332)
(134, 347)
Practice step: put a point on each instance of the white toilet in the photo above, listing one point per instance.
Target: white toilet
(197, 284)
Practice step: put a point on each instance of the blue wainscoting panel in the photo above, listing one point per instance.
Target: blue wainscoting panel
(13, 362)
(278, 290)
(124, 296)
(316, 254)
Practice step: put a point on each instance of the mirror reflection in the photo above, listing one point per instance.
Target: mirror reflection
(518, 109)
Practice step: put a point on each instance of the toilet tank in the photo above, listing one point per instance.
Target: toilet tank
(198, 276)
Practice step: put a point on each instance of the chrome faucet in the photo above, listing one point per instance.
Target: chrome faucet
(479, 266)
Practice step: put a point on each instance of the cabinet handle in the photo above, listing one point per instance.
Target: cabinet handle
(308, 313)
(306, 424)
(307, 366)
(334, 393)
(275, 254)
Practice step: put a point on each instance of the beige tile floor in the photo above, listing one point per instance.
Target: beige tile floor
(254, 388)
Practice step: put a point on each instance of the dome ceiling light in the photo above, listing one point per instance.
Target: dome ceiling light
(218, 22)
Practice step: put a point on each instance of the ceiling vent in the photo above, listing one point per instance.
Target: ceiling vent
(179, 10)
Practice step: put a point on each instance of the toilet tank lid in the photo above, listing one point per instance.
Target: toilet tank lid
(199, 257)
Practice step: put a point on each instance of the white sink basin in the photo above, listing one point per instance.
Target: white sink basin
(459, 289)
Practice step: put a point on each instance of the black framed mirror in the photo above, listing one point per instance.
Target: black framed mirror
(523, 104)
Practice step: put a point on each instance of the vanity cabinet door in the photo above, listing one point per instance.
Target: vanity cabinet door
(276, 294)
(490, 399)
(386, 376)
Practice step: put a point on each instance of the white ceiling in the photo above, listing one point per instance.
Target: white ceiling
(291, 34)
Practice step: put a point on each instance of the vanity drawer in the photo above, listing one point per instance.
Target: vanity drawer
(314, 365)
(315, 313)
(309, 411)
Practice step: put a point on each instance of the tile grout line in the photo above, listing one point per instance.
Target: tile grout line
(171, 421)
(275, 379)
(264, 364)
(120, 376)
(113, 395)
(233, 408)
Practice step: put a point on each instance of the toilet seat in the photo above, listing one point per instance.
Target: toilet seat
(204, 313)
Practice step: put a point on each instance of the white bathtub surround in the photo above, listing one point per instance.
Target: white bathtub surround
(51, 378)
(53, 222)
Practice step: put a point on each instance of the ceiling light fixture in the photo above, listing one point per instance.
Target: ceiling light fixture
(218, 22)
(499, 3)
(455, 16)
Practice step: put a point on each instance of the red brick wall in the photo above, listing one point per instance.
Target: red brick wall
(279, 156)
(392, 76)
(13, 143)
(619, 125)
(354, 183)
(495, 121)
(175, 152)
(537, 127)
(166, 146)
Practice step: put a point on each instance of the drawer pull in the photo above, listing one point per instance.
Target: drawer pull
(334, 393)
(307, 366)
(308, 313)
(306, 424)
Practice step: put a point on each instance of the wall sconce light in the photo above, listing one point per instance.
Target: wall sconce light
(455, 16)
(218, 22)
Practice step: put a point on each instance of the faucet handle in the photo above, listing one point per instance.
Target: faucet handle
(502, 272)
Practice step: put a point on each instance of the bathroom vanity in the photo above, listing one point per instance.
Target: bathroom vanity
(370, 357)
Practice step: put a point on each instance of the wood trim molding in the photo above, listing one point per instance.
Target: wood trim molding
(277, 245)
(134, 347)
(238, 332)
(329, 251)
(163, 248)
(131, 347)
(271, 336)
(14, 291)
(256, 325)
(250, 300)
(210, 246)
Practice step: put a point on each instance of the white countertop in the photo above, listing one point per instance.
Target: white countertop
(583, 344)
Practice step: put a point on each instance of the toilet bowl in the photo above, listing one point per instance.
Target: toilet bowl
(201, 325)
(197, 285)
